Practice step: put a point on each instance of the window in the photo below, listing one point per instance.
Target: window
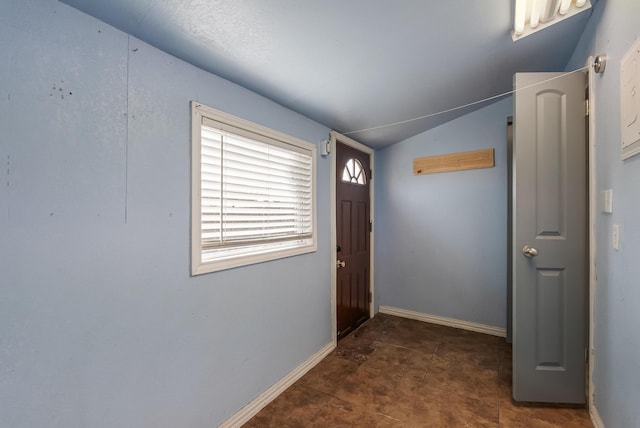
(253, 193)
(353, 172)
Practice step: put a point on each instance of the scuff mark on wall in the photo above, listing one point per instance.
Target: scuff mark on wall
(57, 89)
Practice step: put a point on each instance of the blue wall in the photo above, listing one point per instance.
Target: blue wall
(612, 30)
(101, 324)
(441, 243)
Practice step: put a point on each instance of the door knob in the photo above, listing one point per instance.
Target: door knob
(529, 251)
(340, 264)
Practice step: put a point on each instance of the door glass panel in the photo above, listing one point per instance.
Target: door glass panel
(353, 172)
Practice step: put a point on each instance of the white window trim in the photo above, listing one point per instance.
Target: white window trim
(198, 113)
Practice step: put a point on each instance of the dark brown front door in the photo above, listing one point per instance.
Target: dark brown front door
(353, 238)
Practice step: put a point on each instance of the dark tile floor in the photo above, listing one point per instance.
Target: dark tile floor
(395, 372)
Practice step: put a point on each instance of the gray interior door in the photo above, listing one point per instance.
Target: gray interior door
(550, 242)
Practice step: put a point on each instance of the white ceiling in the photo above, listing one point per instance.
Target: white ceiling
(351, 64)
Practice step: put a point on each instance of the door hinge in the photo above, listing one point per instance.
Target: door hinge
(370, 296)
(370, 174)
(370, 226)
(586, 355)
(586, 107)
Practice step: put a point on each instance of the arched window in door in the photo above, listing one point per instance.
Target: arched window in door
(353, 172)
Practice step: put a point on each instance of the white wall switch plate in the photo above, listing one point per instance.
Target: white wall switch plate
(607, 201)
(616, 237)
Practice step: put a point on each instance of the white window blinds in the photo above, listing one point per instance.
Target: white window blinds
(253, 193)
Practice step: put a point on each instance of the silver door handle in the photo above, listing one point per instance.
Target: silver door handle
(529, 251)
(340, 264)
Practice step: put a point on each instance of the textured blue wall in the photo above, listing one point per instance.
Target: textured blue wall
(612, 30)
(101, 324)
(441, 243)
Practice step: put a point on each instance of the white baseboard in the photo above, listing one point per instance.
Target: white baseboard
(595, 417)
(450, 322)
(251, 409)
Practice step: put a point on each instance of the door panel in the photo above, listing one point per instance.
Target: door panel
(550, 328)
(550, 144)
(550, 282)
(353, 238)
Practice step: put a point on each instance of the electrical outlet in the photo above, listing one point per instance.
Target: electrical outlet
(616, 237)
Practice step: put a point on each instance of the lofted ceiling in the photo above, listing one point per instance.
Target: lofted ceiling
(351, 64)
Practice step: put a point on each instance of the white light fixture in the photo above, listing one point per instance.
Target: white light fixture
(534, 15)
(564, 6)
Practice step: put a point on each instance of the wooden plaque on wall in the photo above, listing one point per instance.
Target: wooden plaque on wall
(454, 162)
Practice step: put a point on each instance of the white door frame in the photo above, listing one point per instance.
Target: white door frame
(592, 231)
(337, 137)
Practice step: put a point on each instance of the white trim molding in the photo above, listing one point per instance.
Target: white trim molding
(595, 417)
(251, 409)
(593, 281)
(449, 322)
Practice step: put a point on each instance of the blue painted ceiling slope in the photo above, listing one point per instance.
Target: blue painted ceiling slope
(351, 64)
